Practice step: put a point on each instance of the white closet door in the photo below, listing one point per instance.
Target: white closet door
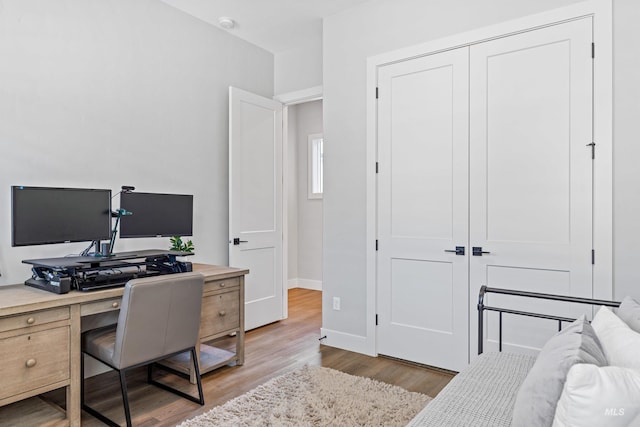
(423, 209)
(531, 172)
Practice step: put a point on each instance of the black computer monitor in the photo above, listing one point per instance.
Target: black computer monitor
(156, 215)
(42, 215)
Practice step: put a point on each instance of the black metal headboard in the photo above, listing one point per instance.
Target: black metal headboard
(482, 308)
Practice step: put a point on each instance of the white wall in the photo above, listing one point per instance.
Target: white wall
(381, 26)
(309, 210)
(291, 184)
(298, 69)
(305, 215)
(105, 93)
(626, 147)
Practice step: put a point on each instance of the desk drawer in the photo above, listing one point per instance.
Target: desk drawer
(34, 360)
(34, 318)
(216, 285)
(101, 306)
(220, 312)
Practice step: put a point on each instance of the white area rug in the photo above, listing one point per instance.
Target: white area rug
(314, 396)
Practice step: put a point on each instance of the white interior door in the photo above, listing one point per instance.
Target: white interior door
(255, 203)
(423, 209)
(531, 172)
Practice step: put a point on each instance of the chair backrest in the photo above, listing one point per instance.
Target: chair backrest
(159, 316)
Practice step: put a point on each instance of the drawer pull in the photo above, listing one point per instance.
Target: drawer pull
(222, 313)
(222, 285)
(31, 321)
(115, 304)
(30, 363)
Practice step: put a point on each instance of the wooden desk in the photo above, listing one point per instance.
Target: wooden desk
(40, 341)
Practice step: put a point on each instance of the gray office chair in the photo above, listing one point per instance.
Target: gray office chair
(159, 318)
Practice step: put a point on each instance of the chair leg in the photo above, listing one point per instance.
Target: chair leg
(196, 368)
(86, 407)
(125, 398)
(200, 398)
(81, 380)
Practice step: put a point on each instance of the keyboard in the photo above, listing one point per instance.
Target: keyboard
(111, 280)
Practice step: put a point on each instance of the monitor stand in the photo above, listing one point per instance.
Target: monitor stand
(59, 275)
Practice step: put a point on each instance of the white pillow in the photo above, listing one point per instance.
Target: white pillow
(629, 312)
(620, 343)
(599, 396)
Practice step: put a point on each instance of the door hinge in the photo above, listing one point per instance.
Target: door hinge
(376, 244)
(376, 320)
(377, 167)
(593, 150)
(593, 50)
(376, 93)
(593, 256)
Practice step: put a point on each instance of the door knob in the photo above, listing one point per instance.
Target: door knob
(237, 241)
(459, 250)
(477, 251)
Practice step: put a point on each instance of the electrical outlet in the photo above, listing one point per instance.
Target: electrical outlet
(336, 303)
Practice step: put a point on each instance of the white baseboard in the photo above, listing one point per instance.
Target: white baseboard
(315, 285)
(355, 343)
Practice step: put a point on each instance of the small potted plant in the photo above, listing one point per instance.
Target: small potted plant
(178, 245)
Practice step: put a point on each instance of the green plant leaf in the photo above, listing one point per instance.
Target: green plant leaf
(178, 245)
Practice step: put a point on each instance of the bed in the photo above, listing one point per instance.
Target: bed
(505, 388)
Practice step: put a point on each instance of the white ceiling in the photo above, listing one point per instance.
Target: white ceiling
(274, 25)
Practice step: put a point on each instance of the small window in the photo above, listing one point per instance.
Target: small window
(315, 166)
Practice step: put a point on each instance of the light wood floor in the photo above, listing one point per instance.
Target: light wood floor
(270, 351)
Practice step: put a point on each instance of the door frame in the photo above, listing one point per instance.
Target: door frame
(602, 13)
(289, 99)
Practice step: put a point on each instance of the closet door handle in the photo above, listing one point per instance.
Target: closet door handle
(477, 251)
(459, 250)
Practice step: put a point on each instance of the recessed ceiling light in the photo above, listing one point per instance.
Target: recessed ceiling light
(226, 22)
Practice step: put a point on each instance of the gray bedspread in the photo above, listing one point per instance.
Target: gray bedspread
(481, 395)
